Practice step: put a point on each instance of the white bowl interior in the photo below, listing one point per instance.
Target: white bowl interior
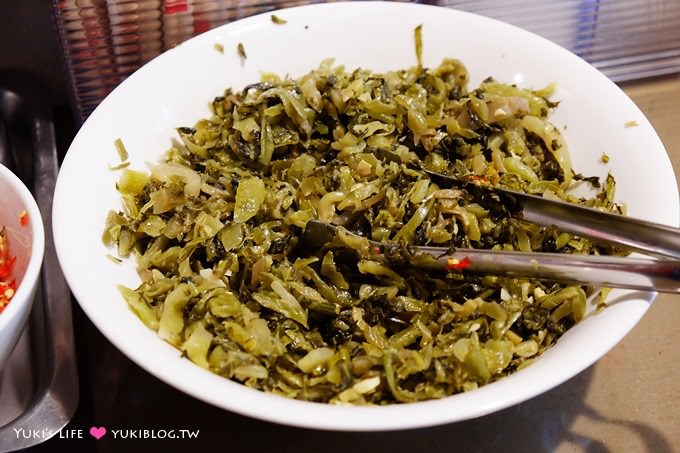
(175, 89)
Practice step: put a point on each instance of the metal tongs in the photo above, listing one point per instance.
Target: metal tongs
(649, 274)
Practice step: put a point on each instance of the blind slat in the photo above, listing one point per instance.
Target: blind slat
(106, 40)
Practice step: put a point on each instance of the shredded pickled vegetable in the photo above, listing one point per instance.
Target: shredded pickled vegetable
(215, 231)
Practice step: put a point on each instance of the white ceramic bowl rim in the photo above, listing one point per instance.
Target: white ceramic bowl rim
(176, 93)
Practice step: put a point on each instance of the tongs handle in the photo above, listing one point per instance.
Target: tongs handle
(645, 274)
(636, 234)
(609, 271)
(640, 235)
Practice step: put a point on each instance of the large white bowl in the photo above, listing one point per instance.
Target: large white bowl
(175, 89)
(27, 245)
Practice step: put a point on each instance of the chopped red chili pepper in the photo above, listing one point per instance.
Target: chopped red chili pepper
(479, 179)
(6, 266)
(7, 287)
(452, 264)
(7, 291)
(23, 218)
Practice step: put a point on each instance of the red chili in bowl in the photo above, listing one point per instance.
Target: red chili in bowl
(7, 283)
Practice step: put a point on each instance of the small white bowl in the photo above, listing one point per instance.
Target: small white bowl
(27, 244)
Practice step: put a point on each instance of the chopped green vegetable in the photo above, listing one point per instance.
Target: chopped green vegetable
(241, 50)
(418, 39)
(277, 20)
(120, 147)
(132, 182)
(249, 198)
(122, 154)
(216, 226)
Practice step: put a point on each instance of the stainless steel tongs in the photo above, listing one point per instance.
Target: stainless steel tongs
(661, 241)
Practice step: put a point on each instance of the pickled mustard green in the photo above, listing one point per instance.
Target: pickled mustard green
(214, 230)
